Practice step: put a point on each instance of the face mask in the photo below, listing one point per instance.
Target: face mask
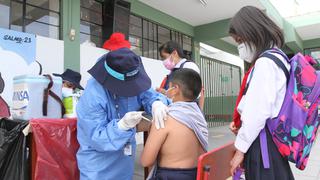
(168, 63)
(67, 92)
(245, 52)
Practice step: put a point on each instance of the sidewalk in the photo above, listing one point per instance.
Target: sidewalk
(219, 136)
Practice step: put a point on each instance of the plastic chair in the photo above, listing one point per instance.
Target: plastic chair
(215, 165)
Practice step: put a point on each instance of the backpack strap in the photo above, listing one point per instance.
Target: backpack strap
(278, 51)
(263, 134)
(182, 64)
(280, 64)
(249, 80)
(165, 82)
(264, 148)
(46, 94)
(276, 60)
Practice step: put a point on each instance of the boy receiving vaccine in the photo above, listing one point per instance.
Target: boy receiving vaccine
(174, 150)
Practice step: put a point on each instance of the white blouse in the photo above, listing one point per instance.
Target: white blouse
(189, 65)
(262, 101)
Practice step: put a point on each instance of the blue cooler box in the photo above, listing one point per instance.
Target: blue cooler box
(28, 97)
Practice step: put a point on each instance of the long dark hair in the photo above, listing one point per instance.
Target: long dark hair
(254, 27)
(170, 46)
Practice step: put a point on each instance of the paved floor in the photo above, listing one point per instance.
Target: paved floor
(219, 136)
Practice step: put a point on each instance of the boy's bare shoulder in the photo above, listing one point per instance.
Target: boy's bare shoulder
(169, 121)
(172, 123)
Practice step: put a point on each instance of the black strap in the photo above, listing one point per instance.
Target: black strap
(181, 66)
(276, 60)
(46, 94)
(173, 70)
(57, 98)
(250, 77)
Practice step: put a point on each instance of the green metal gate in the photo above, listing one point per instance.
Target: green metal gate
(222, 82)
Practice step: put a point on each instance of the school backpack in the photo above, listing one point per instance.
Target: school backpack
(294, 129)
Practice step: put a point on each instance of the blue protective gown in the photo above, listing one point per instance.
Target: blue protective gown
(101, 153)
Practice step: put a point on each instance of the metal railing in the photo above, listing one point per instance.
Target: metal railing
(221, 82)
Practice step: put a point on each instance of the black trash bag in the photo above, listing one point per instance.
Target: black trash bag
(13, 150)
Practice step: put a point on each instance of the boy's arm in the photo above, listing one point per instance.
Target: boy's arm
(153, 145)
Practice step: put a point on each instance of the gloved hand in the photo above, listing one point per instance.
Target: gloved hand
(159, 113)
(130, 120)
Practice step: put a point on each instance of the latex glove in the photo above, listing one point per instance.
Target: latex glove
(130, 120)
(159, 113)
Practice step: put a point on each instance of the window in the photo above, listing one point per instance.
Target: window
(150, 41)
(91, 22)
(146, 37)
(163, 34)
(32, 16)
(187, 46)
(187, 43)
(315, 54)
(135, 38)
(16, 14)
(4, 14)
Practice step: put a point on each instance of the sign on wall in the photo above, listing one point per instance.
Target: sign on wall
(23, 44)
(17, 57)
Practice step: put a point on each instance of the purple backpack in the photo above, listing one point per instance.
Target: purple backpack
(294, 129)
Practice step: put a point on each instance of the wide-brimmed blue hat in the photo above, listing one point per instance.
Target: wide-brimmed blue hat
(122, 73)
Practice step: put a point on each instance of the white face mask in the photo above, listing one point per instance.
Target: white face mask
(67, 92)
(245, 52)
